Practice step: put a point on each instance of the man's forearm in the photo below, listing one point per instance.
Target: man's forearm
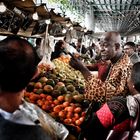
(86, 73)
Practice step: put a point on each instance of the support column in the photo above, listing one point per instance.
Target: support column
(90, 20)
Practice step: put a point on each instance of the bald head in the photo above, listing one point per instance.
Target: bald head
(111, 36)
(110, 45)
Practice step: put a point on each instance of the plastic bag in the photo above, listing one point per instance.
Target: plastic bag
(55, 129)
(46, 50)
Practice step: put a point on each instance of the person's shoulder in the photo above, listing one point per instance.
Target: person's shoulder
(135, 58)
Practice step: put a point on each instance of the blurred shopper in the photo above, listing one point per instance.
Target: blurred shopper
(58, 49)
(70, 47)
(80, 47)
(91, 51)
(114, 114)
(115, 82)
(38, 48)
(130, 49)
(138, 49)
(20, 120)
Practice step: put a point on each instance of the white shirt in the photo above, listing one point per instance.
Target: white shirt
(17, 116)
(28, 113)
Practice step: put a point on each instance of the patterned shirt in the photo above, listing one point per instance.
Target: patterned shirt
(114, 85)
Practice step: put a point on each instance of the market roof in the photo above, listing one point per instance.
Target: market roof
(118, 15)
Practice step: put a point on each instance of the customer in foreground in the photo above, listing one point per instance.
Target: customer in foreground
(20, 120)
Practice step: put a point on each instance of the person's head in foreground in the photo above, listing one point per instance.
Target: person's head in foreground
(18, 64)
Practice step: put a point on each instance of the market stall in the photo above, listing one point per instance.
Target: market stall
(58, 89)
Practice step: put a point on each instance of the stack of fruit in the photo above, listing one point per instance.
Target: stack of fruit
(62, 98)
(66, 71)
(59, 108)
(64, 58)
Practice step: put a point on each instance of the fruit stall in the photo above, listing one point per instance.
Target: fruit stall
(59, 92)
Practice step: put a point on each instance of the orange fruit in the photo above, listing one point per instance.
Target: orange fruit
(76, 116)
(44, 107)
(67, 121)
(62, 114)
(60, 98)
(39, 102)
(77, 110)
(57, 109)
(53, 114)
(56, 102)
(65, 104)
(69, 115)
(78, 122)
(70, 109)
(81, 119)
(49, 98)
(42, 95)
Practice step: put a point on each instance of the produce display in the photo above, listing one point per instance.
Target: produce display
(64, 58)
(60, 96)
(67, 72)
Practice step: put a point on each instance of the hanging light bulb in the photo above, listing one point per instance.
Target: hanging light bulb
(35, 16)
(64, 31)
(85, 30)
(47, 21)
(71, 28)
(2, 7)
(68, 24)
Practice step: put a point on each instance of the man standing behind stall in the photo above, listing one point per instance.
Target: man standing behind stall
(117, 73)
(130, 49)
